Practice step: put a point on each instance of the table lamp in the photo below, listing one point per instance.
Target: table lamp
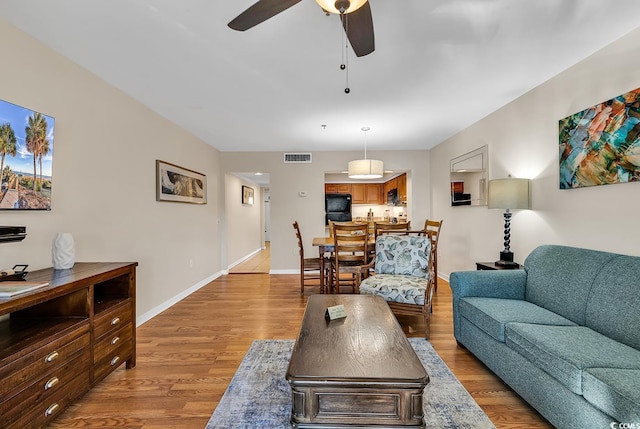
(509, 194)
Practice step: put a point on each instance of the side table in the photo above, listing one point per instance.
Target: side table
(493, 266)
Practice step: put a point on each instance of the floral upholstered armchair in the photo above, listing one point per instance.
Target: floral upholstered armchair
(403, 275)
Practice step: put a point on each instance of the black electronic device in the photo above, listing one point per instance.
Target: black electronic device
(12, 233)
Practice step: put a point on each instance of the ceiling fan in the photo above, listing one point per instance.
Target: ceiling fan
(355, 16)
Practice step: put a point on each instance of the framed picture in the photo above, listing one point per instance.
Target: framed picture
(247, 195)
(601, 145)
(179, 184)
(26, 146)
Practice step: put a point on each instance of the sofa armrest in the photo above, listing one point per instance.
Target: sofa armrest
(507, 284)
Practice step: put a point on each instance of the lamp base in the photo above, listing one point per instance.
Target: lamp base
(506, 260)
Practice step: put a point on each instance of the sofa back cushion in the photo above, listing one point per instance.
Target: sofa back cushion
(614, 301)
(560, 278)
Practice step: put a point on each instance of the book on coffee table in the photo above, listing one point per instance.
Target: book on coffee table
(9, 289)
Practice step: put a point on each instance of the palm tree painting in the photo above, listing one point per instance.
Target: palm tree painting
(7, 145)
(37, 143)
(26, 157)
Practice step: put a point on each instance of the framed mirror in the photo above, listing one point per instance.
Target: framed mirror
(469, 173)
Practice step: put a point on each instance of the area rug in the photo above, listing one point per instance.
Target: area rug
(259, 396)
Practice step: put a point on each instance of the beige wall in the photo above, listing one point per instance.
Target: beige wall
(103, 192)
(244, 220)
(106, 145)
(523, 142)
(287, 180)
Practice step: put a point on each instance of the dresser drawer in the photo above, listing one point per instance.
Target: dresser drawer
(108, 344)
(112, 361)
(43, 359)
(41, 414)
(112, 319)
(48, 385)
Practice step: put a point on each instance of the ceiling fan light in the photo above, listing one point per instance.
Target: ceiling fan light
(330, 5)
(365, 169)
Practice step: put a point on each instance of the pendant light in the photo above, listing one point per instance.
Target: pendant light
(365, 168)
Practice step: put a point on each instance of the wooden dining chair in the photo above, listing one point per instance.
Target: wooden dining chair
(310, 270)
(399, 227)
(432, 229)
(350, 251)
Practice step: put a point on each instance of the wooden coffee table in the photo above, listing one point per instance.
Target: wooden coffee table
(357, 371)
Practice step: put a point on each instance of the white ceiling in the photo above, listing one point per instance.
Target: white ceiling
(438, 67)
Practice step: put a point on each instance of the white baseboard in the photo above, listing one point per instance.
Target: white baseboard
(244, 258)
(284, 271)
(142, 318)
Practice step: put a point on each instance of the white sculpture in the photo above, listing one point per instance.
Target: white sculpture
(63, 253)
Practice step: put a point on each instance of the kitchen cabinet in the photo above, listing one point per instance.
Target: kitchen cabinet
(370, 193)
(344, 188)
(361, 193)
(402, 187)
(330, 188)
(374, 193)
(358, 193)
(390, 184)
(337, 188)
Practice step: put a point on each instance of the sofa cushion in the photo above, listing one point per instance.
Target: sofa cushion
(565, 351)
(614, 391)
(491, 314)
(614, 300)
(396, 288)
(559, 278)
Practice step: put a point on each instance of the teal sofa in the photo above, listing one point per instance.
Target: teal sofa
(564, 333)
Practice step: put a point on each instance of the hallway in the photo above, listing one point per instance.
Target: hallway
(260, 263)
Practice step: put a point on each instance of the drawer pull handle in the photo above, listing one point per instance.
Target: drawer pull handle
(114, 360)
(52, 356)
(52, 409)
(114, 340)
(49, 384)
(115, 321)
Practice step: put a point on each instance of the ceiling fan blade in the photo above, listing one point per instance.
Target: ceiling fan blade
(359, 28)
(260, 12)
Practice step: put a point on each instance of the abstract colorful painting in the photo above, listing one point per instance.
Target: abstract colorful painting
(601, 145)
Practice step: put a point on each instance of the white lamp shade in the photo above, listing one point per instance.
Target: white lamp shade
(329, 5)
(509, 193)
(365, 169)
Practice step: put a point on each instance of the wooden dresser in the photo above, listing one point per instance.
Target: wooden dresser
(60, 340)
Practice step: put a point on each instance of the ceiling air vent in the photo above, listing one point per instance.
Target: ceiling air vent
(297, 158)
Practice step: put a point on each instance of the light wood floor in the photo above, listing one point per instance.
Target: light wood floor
(188, 354)
(258, 264)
